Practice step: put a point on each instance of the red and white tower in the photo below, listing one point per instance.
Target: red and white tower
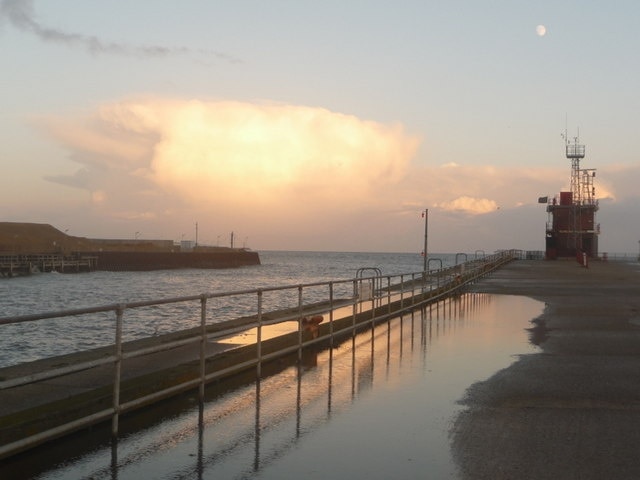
(571, 228)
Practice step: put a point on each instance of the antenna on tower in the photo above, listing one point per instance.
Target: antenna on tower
(572, 229)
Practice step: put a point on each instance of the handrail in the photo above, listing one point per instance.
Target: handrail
(396, 298)
(461, 255)
(434, 260)
(149, 303)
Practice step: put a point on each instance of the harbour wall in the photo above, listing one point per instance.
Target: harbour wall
(145, 261)
(29, 247)
(26, 264)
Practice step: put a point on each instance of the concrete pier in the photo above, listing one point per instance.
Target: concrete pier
(572, 411)
(47, 398)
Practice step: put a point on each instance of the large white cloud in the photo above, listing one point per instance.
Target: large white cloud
(284, 156)
(245, 163)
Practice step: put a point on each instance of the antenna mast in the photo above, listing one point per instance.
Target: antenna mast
(575, 152)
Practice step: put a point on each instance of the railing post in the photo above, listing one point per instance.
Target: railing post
(300, 322)
(413, 289)
(355, 306)
(401, 291)
(389, 294)
(203, 344)
(259, 337)
(331, 313)
(373, 300)
(117, 372)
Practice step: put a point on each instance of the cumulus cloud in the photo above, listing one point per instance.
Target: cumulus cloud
(472, 189)
(469, 205)
(277, 154)
(266, 162)
(21, 15)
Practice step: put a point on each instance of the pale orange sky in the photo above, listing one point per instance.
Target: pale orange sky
(283, 176)
(261, 122)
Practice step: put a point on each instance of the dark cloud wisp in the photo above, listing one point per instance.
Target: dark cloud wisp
(21, 15)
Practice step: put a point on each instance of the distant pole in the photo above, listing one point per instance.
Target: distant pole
(196, 234)
(425, 214)
(231, 239)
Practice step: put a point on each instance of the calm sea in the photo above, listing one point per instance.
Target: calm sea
(53, 292)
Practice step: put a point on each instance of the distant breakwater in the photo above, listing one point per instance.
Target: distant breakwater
(145, 261)
(27, 248)
(124, 261)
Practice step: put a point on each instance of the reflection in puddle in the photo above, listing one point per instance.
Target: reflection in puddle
(378, 405)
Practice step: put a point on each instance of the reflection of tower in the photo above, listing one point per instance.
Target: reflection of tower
(571, 228)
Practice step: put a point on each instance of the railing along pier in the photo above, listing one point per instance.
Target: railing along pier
(276, 321)
(13, 265)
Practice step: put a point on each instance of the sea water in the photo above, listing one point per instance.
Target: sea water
(47, 292)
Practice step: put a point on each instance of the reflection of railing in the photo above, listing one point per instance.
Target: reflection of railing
(242, 432)
(400, 295)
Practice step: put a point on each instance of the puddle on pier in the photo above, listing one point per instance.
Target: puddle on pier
(379, 405)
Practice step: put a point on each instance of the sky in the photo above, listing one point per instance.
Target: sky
(324, 126)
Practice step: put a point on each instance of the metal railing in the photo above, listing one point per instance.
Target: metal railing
(392, 295)
(22, 264)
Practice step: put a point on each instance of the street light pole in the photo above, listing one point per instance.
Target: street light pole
(425, 214)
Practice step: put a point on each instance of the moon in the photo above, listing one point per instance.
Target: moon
(541, 30)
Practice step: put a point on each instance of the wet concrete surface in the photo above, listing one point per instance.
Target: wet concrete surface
(378, 405)
(567, 409)
(573, 410)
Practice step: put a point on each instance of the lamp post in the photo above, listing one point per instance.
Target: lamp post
(425, 214)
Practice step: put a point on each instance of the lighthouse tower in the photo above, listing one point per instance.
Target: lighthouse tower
(571, 228)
